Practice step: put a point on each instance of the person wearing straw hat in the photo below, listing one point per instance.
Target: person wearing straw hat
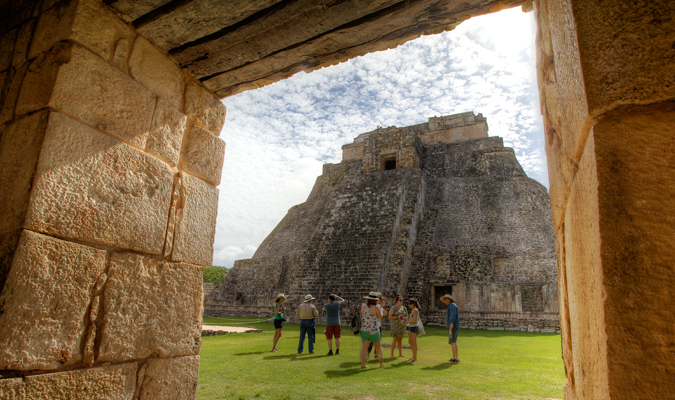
(452, 323)
(278, 320)
(308, 314)
(371, 315)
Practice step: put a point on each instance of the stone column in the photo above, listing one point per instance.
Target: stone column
(109, 158)
(607, 85)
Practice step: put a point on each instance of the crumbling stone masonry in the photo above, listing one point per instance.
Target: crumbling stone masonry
(109, 158)
(423, 211)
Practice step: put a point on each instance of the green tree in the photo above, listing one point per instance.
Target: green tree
(215, 274)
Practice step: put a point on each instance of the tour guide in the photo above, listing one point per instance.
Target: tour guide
(452, 323)
(308, 314)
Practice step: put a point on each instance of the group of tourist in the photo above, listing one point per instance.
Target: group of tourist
(371, 314)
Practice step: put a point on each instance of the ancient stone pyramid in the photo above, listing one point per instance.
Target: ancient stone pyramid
(422, 210)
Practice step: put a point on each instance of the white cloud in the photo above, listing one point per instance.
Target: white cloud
(279, 136)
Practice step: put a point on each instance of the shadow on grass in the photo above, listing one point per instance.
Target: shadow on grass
(249, 354)
(439, 367)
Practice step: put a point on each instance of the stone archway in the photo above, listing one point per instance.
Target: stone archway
(109, 159)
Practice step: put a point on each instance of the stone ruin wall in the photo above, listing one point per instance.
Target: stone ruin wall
(109, 158)
(468, 216)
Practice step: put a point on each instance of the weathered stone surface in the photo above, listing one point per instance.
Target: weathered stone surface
(38, 328)
(23, 43)
(166, 133)
(94, 188)
(130, 10)
(156, 72)
(85, 21)
(113, 382)
(626, 52)
(151, 308)
(204, 108)
(203, 155)
(7, 42)
(15, 79)
(636, 187)
(53, 26)
(39, 80)
(585, 281)
(12, 389)
(113, 102)
(195, 221)
(171, 378)
(20, 147)
(199, 18)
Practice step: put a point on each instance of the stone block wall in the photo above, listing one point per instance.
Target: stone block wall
(109, 157)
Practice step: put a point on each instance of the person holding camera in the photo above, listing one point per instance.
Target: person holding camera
(278, 320)
(371, 315)
(397, 314)
(413, 323)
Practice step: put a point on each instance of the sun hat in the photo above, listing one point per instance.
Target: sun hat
(447, 296)
(281, 295)
(371, 296)
(308, 298)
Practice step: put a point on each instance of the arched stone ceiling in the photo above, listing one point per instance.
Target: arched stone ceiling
(237, 45)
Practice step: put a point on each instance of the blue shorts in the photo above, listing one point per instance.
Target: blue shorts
(414, 329)
(278, 324)
(453, 336)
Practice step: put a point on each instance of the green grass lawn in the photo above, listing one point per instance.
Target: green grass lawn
(495, 365)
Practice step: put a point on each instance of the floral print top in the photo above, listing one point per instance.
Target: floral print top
(369, 322)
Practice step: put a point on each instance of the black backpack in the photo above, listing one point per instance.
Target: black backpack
(355, 324)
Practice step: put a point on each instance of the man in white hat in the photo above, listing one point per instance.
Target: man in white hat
(308, 314)
(452, 323)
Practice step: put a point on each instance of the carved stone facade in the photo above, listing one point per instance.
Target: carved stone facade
(422, 210)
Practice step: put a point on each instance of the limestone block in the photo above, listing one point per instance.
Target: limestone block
(636, 176)
(155, 70)
(38, 83)
(133, 9)
(103, 97)
(94, 188)
(45, 301)
(54, 25)
(584, 281)
(15, 79)
(203, 155)
(204, 108)
(111, 382)
(195, 221)
(626, 51)
(151, 308)
(171, 378)
(12, 389)
(23, 43)
(20, 146)
(85, 21)
(7, 42)
(166, 133)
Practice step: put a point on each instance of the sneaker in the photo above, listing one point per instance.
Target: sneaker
(330, 353)
(455, 361)
(337, 352)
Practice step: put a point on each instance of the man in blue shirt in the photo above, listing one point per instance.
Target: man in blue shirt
(452, 323)
(332, 312)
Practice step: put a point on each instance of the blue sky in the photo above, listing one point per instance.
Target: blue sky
(279, 136)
